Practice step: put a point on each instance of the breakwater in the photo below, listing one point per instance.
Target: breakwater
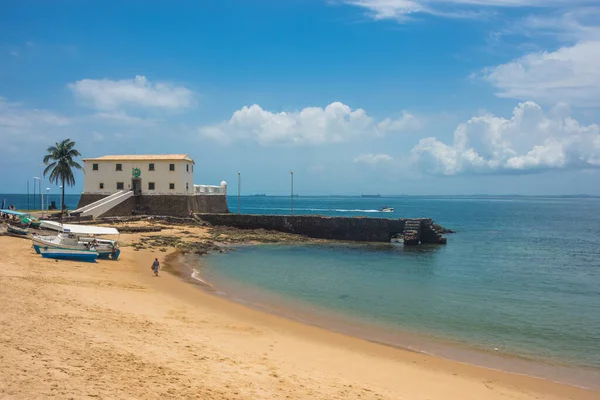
(362, 229)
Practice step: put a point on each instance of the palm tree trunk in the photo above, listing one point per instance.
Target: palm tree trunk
(62, 197)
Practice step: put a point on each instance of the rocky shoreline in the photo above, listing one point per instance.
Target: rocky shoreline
(217, 239)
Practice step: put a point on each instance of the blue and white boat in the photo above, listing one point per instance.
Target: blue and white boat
(75, 255)
(78, 237)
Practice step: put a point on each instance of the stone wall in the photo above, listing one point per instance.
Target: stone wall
(177, 206)
(338, 228)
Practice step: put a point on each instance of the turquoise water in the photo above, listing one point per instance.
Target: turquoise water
(522, 275)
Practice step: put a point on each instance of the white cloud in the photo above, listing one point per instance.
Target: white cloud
(23, 128)
(401, 10)
(570, 74)
(14, 53)
(122, 118)
(16, 118)
(373, 159)
(312, 125)
(106, 94)
(528, 142)
(406, 122)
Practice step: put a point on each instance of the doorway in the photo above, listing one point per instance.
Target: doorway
(136, 186)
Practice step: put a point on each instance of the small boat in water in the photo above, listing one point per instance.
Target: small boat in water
(20, 232)
(65, 254)
(386, 209)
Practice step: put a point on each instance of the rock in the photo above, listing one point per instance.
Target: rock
(440, 229)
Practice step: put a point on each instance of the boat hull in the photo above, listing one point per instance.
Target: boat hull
(73, 255)
(41, 243)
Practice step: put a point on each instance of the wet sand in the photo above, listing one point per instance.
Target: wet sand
(112, 330)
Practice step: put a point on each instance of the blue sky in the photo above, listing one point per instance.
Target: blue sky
(354, 96)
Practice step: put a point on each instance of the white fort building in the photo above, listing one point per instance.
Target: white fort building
(153, 184)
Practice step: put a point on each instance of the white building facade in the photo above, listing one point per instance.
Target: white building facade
(166, 174)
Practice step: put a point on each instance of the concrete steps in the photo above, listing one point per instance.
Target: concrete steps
(412, 231)
(101, 206)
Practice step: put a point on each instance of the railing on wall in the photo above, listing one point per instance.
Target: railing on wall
(211, 190)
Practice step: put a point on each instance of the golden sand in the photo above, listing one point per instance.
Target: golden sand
(111, 330)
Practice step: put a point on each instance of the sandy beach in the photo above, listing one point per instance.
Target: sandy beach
(112, 330)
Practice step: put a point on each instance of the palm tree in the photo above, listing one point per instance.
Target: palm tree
(59, 161)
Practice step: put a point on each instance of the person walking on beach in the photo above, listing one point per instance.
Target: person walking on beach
(155, 266)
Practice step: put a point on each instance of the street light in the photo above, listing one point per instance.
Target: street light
(239, 189)
(35, 178)
(34, 193)
(47, 198)
(292, 198)
(41, 183)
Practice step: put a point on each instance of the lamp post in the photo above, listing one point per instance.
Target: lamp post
(292, 194)
(47, 197)
(41, 184)
(239, 189)
(33, 193)
(35, 178)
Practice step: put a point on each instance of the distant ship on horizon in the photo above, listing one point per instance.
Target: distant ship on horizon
(370, 195)
(258, 195)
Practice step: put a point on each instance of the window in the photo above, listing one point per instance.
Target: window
(150, 185)
(119, 167)
(120, 185)
(94, 167)
(101, 185)
(171, 167)
(150, 167)
(187, 186)
(171, 186)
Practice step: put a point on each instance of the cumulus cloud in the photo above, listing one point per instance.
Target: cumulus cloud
(530, 141)
(106, 94)
(312, 125)
(406, 122)
(373, 159)
(570, 74)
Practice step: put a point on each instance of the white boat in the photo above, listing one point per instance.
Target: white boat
(386, 209)
(75, 255)
(79, 238)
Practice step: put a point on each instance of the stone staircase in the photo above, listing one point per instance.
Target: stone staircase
(412, 231)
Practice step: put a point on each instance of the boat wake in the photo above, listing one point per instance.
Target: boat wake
(316, 209)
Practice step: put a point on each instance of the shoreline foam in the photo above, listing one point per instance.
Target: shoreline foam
(295, 310)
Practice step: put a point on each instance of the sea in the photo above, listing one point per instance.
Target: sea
(517, 287)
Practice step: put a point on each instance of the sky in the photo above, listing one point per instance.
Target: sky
(398, 97)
